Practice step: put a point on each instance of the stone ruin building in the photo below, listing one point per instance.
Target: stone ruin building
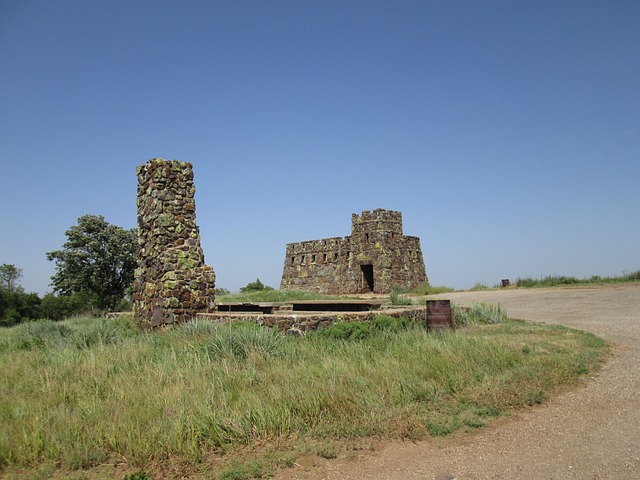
(374, 258)
(172, 282)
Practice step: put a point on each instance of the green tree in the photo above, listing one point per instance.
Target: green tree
(9, 275)
(59, 307)
(256, 286)
(5, 304)
(15, 304)
(97, 259)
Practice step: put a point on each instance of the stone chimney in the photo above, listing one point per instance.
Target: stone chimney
(172, 283)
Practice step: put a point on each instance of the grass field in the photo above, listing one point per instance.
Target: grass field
(237, 401)
(273, 296)
(559, 280)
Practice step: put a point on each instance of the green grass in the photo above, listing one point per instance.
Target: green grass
(478, 313)
(560, 280)
(273, 296)
(85, 392)
(426, 289)
(397, 296)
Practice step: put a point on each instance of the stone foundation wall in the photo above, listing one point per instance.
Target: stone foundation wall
(307, 322)
(172, 282)
(375, 257)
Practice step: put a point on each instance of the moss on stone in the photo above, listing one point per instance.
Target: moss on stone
(171, 302)
(185, 262)
(169, 276)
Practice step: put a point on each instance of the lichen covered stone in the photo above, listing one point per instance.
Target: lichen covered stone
(172, 282)
(374, 258)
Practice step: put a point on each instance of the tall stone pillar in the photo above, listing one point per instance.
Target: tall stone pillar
(171, 283)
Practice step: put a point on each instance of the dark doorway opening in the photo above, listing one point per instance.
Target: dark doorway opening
(367, 274)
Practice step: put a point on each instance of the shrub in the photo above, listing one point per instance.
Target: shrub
(17, 306)
(426, 289)
(106, 332)
(58, 307)
(238, 340)
(479, 313)
(396, 298)
(363, 330)
(140, 475)
(386, 323)
(40, 334)
(346, 331)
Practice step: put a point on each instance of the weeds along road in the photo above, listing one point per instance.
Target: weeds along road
(588, 432)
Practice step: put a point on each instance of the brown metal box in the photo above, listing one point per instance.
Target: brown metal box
(439, 315)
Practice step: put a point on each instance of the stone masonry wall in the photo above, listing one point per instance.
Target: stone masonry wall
(374, 258)
(172, 282)
(295, 323)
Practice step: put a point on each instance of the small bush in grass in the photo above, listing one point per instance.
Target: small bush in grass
(426, 289)
(386, 323)
(40, 334)
(345, 331)
(363, 330)
(632, 277)
(440, 429)
(140, 475)
(198, 327)
(243, 471)
(479, 313)
(106, 332)
(240, 339)
(396, 296)
(327, 452)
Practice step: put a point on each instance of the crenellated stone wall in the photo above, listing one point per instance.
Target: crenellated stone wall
(376, 257)
(172, 282)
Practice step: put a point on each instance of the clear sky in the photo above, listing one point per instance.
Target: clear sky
(506, 132)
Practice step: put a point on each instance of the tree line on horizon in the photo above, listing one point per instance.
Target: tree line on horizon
(94, 274)
(95, 269)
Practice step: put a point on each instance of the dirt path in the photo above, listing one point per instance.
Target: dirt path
(592, 432)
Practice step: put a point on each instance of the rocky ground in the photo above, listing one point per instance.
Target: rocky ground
(589, 432)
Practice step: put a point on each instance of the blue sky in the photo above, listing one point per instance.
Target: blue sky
(507, 133)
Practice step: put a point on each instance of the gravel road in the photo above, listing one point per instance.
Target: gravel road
(589, 432)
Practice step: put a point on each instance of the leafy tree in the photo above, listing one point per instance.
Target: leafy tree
(97, 259)
(9, 275)
(28, 306)
(59, 307)
(256, 286)
(18, 306)
(5, 304)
